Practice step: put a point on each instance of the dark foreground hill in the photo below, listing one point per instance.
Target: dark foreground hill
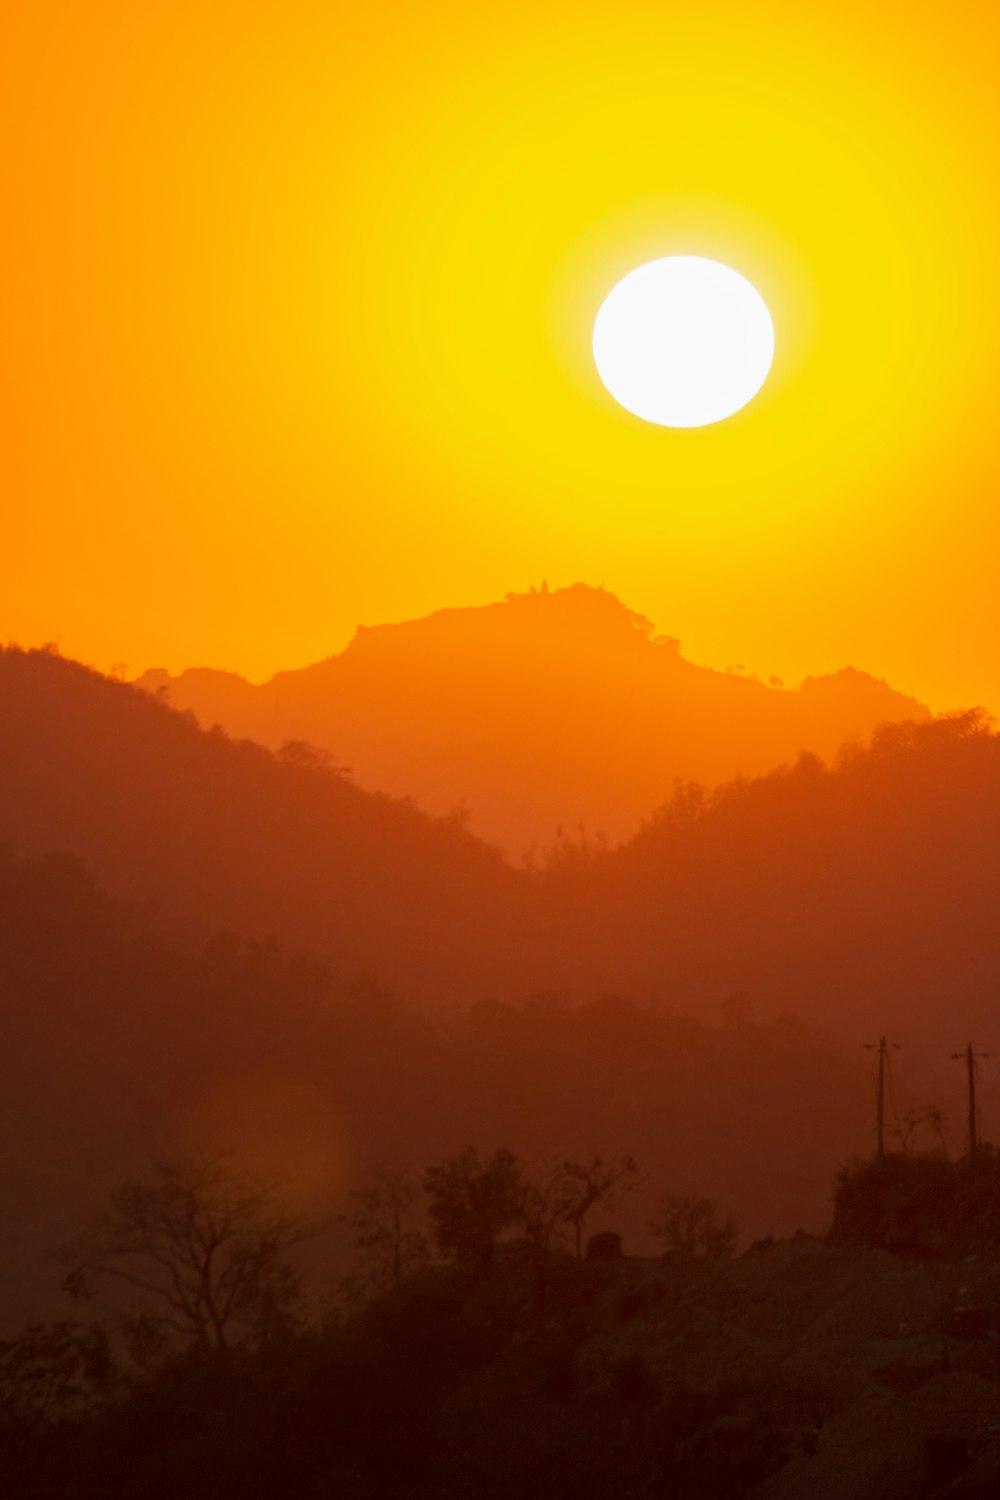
(797, 1372)
(548, 709)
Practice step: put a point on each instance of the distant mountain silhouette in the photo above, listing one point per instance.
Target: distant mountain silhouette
(862, 895)
(548, 710)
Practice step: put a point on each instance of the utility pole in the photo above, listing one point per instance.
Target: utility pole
(970, 1058)
(882, 1046)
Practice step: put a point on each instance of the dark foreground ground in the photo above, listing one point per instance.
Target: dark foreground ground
(798, 1371)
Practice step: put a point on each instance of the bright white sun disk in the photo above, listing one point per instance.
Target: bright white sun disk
(683, 341)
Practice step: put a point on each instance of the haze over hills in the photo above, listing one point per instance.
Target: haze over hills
(549, 710)
(626, 1000)
(861, 896)
(122, 1040)
(215, 834)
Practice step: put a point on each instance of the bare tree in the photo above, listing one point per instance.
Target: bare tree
(382, 1221)
(542, 1217)
(695, 1226)
(581, 1186)
(203, 1245)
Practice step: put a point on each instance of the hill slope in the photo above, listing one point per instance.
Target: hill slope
(219, 834)
(861, 895)
(547, 710)
(798, 1372)
(864, 893)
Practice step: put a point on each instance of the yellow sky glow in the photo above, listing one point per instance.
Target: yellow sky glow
(298, 309)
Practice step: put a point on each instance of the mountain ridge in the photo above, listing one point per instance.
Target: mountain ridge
(842, 892)
(549, 709)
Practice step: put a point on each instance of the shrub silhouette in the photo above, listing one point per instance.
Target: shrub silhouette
(49, 1371)
(693, 1225)
(920, 1205)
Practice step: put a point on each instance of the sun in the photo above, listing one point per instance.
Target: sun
(683, 341)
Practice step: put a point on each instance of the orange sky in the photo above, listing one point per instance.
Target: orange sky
(297, 305)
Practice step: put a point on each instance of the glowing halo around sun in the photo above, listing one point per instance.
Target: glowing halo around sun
(683, 341)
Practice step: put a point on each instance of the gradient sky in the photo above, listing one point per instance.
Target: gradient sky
(297, 304)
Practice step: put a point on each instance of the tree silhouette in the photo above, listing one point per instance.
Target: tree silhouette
(541, 1216)
(581, 1186)
(472, 1202)
(206, 1248)
(693, 1225)
(390, 1248)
